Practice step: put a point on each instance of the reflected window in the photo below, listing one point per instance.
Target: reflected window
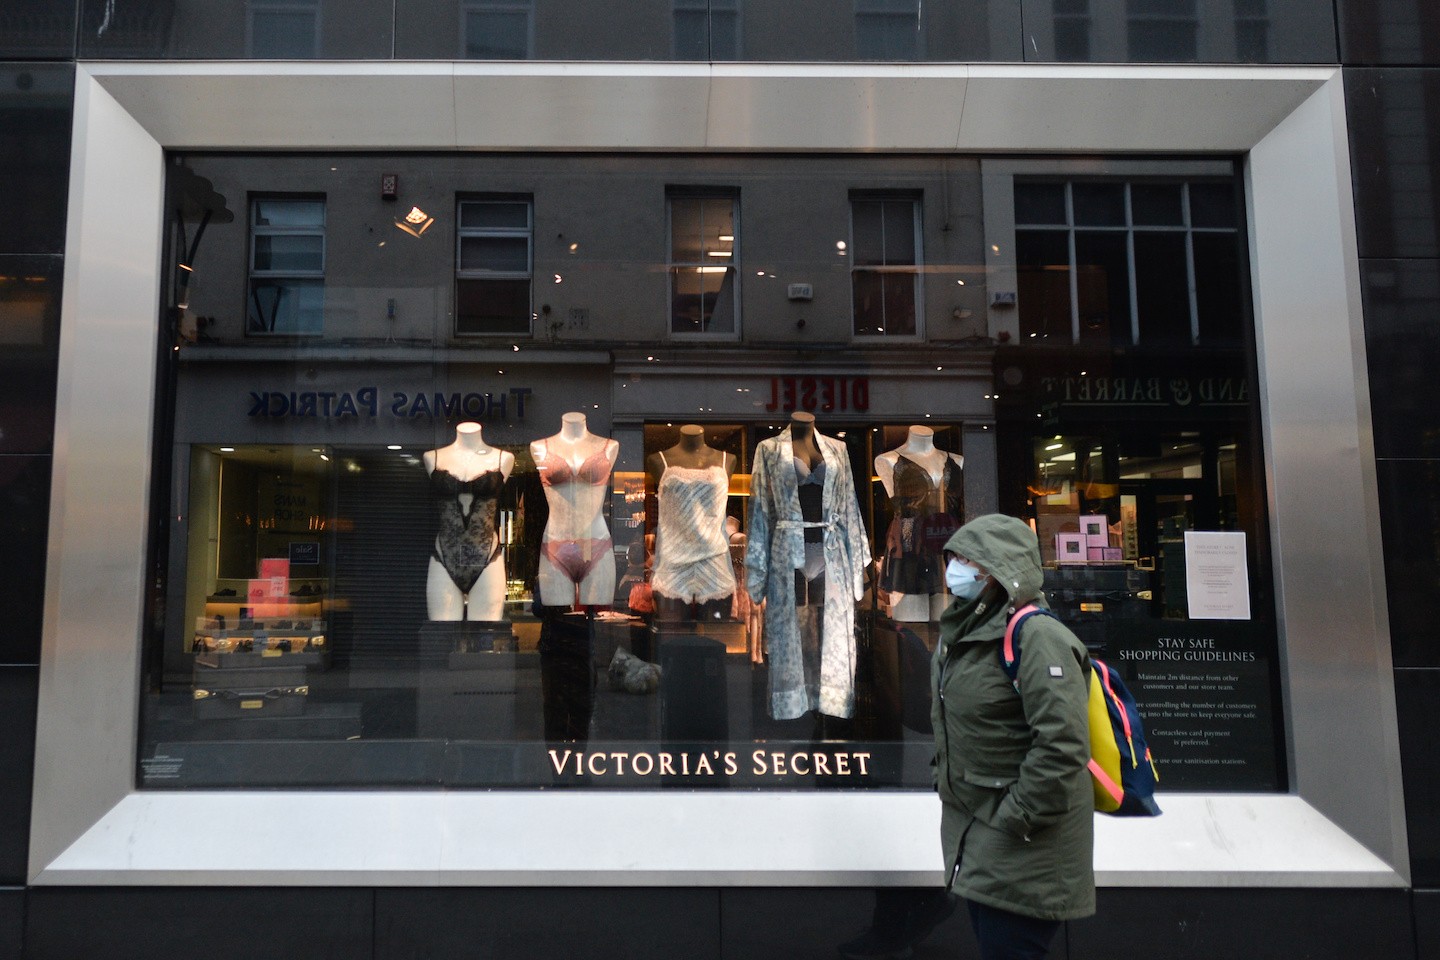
(494, 263)
(1252, 31)
(287, 266)
(1162, 30)
(497, 30)
(707, 31)
(885, 264)
(1072, 30)
(1114, 263)
(284, 31)
(888, 30)
(703, 262)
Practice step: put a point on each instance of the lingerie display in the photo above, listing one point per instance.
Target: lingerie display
(576, 497)
(576, 559)
(692, 551)
(466, 541)
(926, 514)
(555, 470)
(811, 493)
(806, 558)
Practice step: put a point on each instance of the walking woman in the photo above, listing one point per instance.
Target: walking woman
(1017, 826)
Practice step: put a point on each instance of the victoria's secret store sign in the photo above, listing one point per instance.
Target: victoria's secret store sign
(370, 402)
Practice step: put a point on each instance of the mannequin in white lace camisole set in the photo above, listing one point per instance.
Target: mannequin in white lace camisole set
(693, 578)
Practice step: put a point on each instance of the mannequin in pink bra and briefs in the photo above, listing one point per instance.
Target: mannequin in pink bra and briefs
(577, 562)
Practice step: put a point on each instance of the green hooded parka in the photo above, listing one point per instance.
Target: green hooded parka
(1017, 827)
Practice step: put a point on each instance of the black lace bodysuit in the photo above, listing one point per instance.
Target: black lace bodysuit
(926, 514)
(466, 542)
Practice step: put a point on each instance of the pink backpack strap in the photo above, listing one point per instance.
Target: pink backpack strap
(1008, 650)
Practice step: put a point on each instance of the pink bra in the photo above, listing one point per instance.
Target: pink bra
(555, 470)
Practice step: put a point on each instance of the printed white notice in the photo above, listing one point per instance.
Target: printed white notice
(1216, 579)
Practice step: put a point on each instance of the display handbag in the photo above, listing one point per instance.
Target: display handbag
(1124, 786)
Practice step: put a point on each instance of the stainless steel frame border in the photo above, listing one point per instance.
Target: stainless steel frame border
(90, 824)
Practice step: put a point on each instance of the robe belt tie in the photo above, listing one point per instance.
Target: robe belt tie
(831, 526)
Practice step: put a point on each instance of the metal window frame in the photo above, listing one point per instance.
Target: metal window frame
(710, 8)
(281, 6)
(1130, 229)
(526, 7)
(90, 825)
(256, 230)
(461, 273)
(733, 265)
(917, 269)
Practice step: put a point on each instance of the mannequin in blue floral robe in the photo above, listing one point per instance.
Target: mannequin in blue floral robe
(776, 550)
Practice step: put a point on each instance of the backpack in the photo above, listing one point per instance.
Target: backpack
(1124, 787)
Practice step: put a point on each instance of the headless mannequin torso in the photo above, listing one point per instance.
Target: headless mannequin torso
(919, 449)
(693, 578)
(467, 469)
(576, 554)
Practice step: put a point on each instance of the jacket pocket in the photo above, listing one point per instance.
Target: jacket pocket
(994, 781)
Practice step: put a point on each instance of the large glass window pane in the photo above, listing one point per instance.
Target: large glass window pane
(1162, 290)
(1161, 41)
(703, 300)
(286, 306)
(284, 31)
(885, 301)
(492, 306)
(1042, 260)
(887, 30)
(496, 254)
(1212, 205)
(495, 214)
(508, 502)
(1039, 203)
(282, 253)
(1217, 287)
(702, 248)
(1099, 204)
(499, 32)
(289, 213)
(1156, 204)
(1102, 274)
(692, 34)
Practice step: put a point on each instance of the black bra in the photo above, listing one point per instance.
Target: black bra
(484, 487)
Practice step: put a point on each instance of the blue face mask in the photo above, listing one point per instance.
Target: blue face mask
(963, 580)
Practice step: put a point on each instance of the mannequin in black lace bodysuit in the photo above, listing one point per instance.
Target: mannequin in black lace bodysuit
(466, 580)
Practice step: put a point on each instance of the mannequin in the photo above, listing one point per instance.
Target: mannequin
(466, 578)
(927, 493)
(806, 559)
(577, 563)
(692, 579)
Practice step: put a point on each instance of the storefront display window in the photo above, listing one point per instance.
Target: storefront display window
(596, 554)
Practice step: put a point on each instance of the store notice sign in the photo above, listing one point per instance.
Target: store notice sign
(1217, 579)
(304, 553)
(1205, 691)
